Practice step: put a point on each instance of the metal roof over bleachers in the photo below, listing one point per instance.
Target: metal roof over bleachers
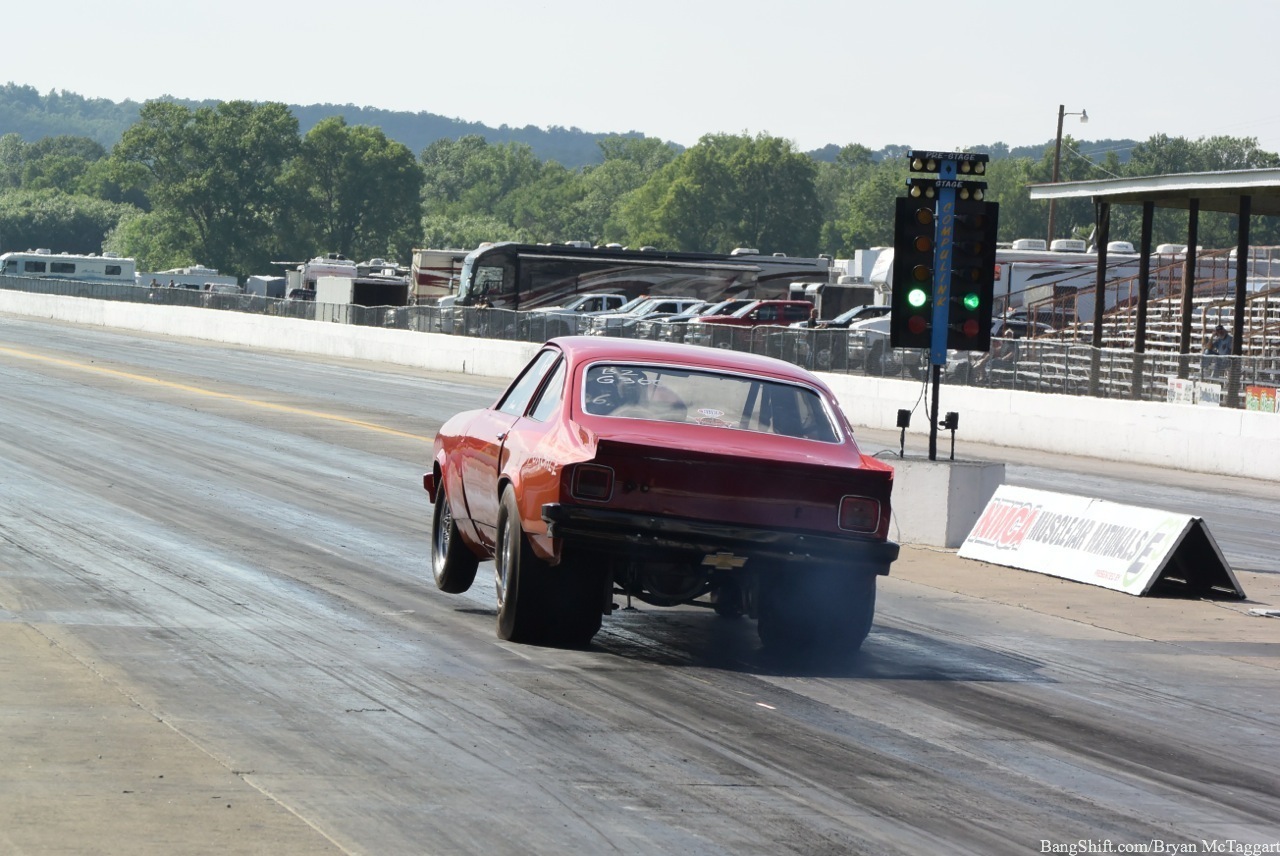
(1216, 191)
(1242, 192)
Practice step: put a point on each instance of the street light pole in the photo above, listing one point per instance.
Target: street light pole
(1057, 156)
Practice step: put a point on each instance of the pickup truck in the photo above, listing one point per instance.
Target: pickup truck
(709, 329)
(624, 323)
(568, 320)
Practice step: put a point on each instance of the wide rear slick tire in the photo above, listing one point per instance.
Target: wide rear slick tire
(518, 578)
(575, 602)
(538, 604)
(452, 564)
(828, 613)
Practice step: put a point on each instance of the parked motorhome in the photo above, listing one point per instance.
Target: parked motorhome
(527, 276)
(46, 264)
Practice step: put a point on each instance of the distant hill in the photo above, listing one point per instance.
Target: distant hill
(1094, 151)
(23, 110)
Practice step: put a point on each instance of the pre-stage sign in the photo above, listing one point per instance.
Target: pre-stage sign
(1122, 547)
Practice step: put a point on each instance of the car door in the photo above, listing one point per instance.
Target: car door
(481, 453)
(526, 459)
(792, 314)
(764, 315)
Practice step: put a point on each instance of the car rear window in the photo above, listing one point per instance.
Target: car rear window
(713, 399)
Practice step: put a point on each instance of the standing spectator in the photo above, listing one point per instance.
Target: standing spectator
(805, 347)
(1218, 352)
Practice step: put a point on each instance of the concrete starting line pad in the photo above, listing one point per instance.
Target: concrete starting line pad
(1123, 547)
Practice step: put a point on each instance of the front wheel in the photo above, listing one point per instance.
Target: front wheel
(452, 564)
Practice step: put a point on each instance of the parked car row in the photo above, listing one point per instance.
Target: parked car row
(622, 322)
(857, 339)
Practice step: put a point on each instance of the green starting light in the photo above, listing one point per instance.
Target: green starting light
(971, 301)
(917, 297)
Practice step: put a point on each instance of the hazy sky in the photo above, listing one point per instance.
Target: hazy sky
(812, 71)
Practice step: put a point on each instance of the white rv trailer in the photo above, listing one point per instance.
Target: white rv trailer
(46, 264)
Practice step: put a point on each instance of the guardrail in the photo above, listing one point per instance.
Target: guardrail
(1032, 365)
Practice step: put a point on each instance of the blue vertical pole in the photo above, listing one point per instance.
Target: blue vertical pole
(943, 239)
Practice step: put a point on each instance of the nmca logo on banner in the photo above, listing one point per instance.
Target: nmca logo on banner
(1122, 547)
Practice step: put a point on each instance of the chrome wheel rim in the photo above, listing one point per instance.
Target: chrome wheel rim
(504, 560)
(444, 520)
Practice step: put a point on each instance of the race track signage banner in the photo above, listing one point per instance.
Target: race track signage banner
(1261, 398)
(1122, 547)
(1182, 391)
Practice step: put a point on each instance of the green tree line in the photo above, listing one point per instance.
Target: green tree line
(237, 186)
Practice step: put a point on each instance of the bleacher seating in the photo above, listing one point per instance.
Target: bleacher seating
(1068, 363)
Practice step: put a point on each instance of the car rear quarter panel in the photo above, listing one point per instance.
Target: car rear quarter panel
(535, 456)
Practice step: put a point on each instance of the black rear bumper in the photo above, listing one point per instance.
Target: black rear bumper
(660, 535)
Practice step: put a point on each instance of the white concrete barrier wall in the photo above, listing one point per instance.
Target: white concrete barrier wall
(1196, 438)
(403, 347)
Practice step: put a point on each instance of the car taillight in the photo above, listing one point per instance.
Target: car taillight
(859, 514)
(592, 482)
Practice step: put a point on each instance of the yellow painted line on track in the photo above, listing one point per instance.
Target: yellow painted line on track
(209, 393)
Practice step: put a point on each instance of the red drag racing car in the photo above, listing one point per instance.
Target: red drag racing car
(671, 474)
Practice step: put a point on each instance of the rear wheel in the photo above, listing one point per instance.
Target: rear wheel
(575, 601)
(453, 565)
(827, 612)
(537, 603)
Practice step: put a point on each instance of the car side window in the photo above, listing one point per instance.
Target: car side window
(549, 397)
(516, 399)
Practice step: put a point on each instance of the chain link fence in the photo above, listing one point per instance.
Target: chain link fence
(1048, 365)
